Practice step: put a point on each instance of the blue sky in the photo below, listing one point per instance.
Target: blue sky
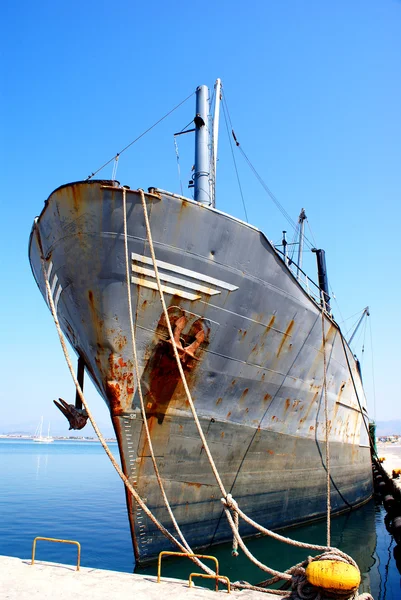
(313, 88)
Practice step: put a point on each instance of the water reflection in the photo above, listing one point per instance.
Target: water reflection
(73, 492)
(41, 463)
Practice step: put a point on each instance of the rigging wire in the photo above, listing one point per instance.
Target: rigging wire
(373, 371)
(115, 166)
(178, 165)
(261, 181)
(235, 163)
(353, 326)
(352, 316)
(363, 341)
(311, 232)
(294, 243)
(358, 337)
(139, 137)
(333, 296)
(272, 196)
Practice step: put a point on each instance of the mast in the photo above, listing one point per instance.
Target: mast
(301, 219)
(365, 313)
(216, 118)
(202, 164)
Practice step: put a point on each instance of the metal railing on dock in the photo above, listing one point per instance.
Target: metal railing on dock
(216, 577)
(47, 539)
(184, 554)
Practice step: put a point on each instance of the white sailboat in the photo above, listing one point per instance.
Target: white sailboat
(39, 437)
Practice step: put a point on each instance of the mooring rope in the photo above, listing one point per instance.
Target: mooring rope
(227, 500)
(177, 358)
(140, 393)
(123, 477)
(327, 433)
(233, 505)
(301, 589)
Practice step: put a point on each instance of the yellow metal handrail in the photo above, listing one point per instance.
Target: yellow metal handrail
(46, 539)
(168, 553)
(216, 577)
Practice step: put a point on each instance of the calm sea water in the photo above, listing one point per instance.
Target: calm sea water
(69, 490)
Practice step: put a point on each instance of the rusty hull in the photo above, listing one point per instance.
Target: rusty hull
(250, 342)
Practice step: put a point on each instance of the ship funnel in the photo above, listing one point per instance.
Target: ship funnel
(323, 281)
(202, 164)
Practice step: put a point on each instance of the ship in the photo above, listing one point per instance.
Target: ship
(261, 353)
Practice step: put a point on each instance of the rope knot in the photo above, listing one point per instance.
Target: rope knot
(230, 502)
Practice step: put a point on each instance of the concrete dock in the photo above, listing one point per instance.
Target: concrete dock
(19, 580)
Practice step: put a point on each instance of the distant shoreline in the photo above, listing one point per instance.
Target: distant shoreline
(10, 436)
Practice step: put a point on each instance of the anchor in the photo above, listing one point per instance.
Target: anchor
(76, 415)
(189, 351)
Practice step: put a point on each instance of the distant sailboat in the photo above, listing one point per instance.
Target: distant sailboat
(41, 439)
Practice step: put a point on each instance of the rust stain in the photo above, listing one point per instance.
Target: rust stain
(271, 452)
(120, 384)
(340, 392)
(311, 404)
(193, 484)
(222, 434)
(269, 325)
(161, 373)
(287, 404)
(113, 396)
(267, 397)
(244, 395)
(219, 400)
(76, 196)
(286, 334)
(234, 381)
(311, 428)
(120, 341)
(330, 334)
(228, 415)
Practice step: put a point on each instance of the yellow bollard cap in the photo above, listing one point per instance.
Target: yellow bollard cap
(333, 575)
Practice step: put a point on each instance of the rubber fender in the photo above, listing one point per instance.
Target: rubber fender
(333, 575)
(396, 529)
(389, 503)
(382, 487)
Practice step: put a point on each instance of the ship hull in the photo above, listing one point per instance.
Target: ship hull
(251, 347)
